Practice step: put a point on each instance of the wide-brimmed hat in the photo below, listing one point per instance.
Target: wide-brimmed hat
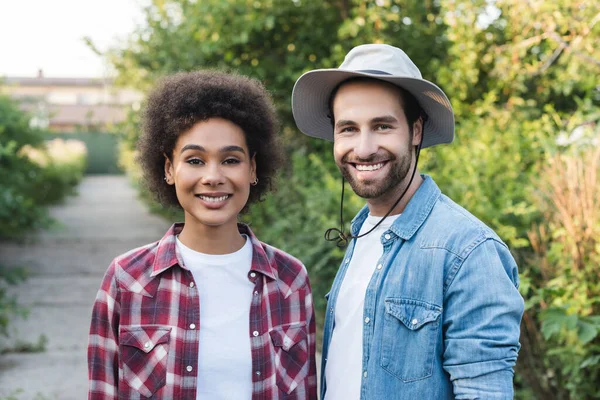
(312, 91)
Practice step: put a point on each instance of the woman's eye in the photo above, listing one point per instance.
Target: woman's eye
(194, 161)
(231, 161)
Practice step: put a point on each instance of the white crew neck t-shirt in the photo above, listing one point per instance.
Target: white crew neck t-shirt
(343, 371)
(224, 354)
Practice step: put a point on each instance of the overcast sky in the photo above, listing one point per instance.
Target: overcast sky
(47, 35)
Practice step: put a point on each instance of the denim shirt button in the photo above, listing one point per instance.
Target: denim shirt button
(387, 236)
(367, 320)
(365, 374)
(347, 260)
(415, 321)
(379, 266)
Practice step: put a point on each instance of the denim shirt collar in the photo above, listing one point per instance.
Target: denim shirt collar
(416, 212)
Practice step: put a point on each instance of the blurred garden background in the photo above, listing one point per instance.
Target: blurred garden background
(523, 79)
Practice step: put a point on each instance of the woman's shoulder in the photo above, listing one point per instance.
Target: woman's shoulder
(150, 255)
(289, 269)
(285, 267)
(135, 262)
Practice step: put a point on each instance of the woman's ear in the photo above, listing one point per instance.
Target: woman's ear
(168, 170)
(253, 168)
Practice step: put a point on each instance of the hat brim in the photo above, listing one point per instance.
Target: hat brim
(310, 103)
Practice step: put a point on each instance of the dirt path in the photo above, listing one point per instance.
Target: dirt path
(67, 264)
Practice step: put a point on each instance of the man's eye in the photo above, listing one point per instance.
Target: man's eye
(384, 127)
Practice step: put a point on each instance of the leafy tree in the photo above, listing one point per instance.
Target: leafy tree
(522, 78)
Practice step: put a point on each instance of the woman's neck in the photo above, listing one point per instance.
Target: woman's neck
(223, 239)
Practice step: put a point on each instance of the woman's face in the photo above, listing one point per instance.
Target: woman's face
(212, 170)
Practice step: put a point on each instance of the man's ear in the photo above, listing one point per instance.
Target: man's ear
(417, 131)
(169, 173)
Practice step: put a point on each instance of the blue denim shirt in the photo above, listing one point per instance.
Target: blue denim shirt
(443, 305)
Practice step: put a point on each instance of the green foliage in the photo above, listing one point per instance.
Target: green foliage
(522, 78)
(305, 238)
(28, 347)
(102, 150)
(33, 175)
(561, 284)
(8, 305)
(19, 209)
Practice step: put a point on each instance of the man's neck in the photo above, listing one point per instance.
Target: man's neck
(380, 206)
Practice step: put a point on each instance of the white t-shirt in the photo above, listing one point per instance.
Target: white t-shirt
(224, 354)
(343, 371)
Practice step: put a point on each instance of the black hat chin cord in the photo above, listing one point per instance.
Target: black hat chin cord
(338, 235)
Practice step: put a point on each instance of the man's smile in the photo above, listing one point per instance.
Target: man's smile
(368, 167)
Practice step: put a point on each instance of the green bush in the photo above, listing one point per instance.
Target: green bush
(561, 329)
(522, 77)
(19, 209)
(33, 174)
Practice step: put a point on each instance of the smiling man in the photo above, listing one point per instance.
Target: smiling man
(425, 304)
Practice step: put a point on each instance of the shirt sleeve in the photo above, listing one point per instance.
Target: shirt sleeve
(310, 320)
(482, 316)
(103, 363)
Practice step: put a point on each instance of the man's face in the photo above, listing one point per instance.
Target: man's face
(373, 145)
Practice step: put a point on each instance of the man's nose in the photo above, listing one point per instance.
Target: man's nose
(365, 146)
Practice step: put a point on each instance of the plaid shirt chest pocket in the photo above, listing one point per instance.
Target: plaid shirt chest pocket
(143, 357)
(291, 355)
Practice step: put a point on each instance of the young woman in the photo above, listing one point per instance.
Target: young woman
(208, 311)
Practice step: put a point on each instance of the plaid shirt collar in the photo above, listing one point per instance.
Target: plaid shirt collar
(167, 254)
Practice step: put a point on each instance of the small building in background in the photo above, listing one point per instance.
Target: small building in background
(71, 104)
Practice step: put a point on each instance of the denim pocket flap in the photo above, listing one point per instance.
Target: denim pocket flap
(288, 335)
(412, 313)
(144, 338)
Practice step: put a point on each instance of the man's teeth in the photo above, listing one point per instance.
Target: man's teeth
(371, 167)
(213, 199)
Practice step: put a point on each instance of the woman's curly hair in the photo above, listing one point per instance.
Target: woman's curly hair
(181, 100)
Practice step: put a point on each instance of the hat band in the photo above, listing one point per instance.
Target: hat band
(373, 71)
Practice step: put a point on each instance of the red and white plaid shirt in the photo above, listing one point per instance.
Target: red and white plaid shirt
(144, 334)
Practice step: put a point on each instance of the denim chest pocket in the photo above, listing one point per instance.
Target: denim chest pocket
(410, 332)
(143, 356)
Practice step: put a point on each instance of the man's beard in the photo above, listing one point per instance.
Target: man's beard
(370, 189)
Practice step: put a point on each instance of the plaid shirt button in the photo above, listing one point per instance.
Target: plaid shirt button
(252, 275)
(257, 373)
(147, 345)
(191, 284)
(192, 326)
(189, 368)
(255, 333)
